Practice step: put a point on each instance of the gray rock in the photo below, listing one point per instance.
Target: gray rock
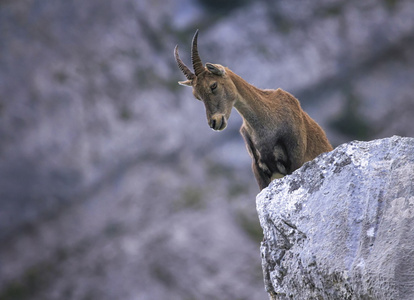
(341, 227)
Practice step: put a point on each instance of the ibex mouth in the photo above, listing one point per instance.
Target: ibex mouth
(218, 122)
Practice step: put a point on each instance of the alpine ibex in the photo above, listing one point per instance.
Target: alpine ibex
(280, 137)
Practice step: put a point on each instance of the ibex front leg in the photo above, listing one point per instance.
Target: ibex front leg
(262, 175)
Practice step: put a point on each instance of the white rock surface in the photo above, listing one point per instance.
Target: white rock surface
(341, 227)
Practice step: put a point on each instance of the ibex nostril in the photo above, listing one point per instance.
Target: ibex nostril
(213, 124)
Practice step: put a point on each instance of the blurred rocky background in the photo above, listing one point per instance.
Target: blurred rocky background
(112, 185)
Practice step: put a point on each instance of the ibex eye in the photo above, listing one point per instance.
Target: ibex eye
(213, 86)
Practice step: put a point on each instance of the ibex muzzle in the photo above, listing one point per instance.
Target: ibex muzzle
(218, 122)
(280, 137)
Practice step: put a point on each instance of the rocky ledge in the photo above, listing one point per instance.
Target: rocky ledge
(342, 226)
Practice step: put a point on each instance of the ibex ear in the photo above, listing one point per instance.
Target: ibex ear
(186, 83)
(215, 69)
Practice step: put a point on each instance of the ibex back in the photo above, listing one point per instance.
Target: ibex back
(280, 137)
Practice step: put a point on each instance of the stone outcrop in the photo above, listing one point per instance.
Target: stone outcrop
(341, 227)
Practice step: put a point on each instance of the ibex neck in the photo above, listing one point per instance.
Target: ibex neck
(250, 103)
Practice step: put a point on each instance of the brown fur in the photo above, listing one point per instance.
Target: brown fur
(280, 137)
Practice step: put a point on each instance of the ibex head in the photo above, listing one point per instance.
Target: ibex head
(211, 85)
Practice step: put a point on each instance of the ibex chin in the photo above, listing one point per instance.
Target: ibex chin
(280, 137)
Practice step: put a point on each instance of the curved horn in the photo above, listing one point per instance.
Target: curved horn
(182, 66)
(195, 58)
